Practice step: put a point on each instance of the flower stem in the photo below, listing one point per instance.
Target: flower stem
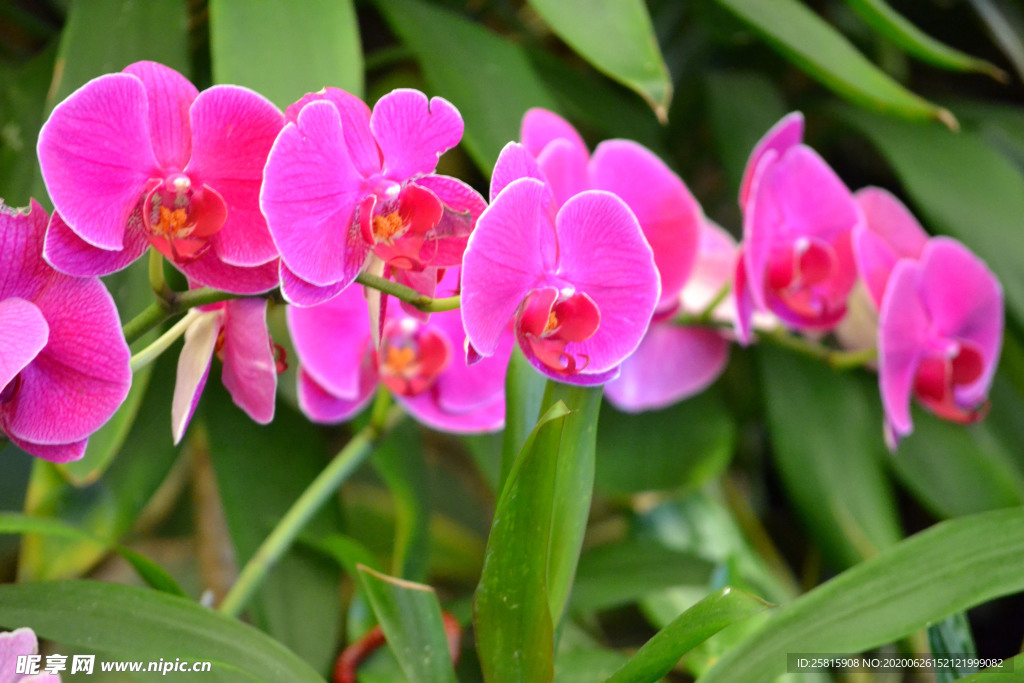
(308, 504)
(156, 276)
(170, 305)
(408, 294)
(153, 351)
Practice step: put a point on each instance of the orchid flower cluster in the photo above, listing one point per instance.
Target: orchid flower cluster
(587, 261)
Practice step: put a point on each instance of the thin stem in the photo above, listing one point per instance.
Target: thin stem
(153, 315)
(705, 316)
(153, 351)
(408, 294)
(308, 504)
(156, 276)
(173, 304)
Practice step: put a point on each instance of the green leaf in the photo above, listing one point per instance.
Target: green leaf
(645, 451)
(826, 55)
(709, 616)
(619, 573)
(346, 551)
(524, 394)
(997, 674)
(490, 79)
(150, 572)
(104, 36)
(23, 89)
(894, 26)
(826, 432)
(514, 629)
(946, 569)
(410, 616)
(1006, 24)
(128, 623)
(574, 485)
(400, 463)
(981, 208)
(951, 641)
(283, 49)
(261, 471)
(617, 37)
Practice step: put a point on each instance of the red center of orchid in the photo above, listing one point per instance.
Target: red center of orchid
(799, 277)
(938, 376)
(180, 218)
(412, 356)
(388, 227)
(550, 319)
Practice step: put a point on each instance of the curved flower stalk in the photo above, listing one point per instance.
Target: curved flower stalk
(578, 279)
(346, 189)
(421, 362)
(798, 220)
(142, 158)
(236, 332)
(63, 362)
(940, 334)
(21, 642)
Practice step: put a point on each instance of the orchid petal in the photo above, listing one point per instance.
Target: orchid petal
(668, 214)
(744, 302)
(169, 96)
(96, 180)
(462, 388)
(540, 127)
(58, 453)
(355, 123)
(25, 335)
(250, 370)
(488, 418)
(69, 253)
(671, 363)
(762, 223)
(903, 332)
(565, 167)
(211, 271)
(604, 255)
(193, 369)
(233, 129)
(22, 273)
(514, 162)
(309, 196)
(412, 133)
(321, 406)
(712, 270)
(297, 291)
(509, 252)
(787, 133)
(814, 201)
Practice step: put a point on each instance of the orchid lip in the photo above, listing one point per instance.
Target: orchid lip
(412, 356)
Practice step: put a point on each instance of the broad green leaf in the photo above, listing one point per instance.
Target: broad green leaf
(946, 569)
(104, 36)
(826, 432)
(23, 91)
(410, 616)
(709, 616)
(574, 485)
(619, 573)
(109, 507)
(261, 471)
(1006, 24)
(283, 49)
(514, 629)
(490, 79)
(152, 573)
(128, 623)
(524, 393)
(826, 55)
(346, 551)
(982, 208)
(617, 37)
(586, 665)
(647, 451)
(400, 463)
(951, 641)
(916, 42)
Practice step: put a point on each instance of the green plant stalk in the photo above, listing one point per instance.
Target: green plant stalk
(409, 295)
(309, 503)
(153, 351)
(156, 276)
(173, 304)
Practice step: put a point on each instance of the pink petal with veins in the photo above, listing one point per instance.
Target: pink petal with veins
(787, 133)
(540, 127)
(413, 133)
(355, 123)
(69, 253)
(250, 369)
(169, 96)
(514, 162)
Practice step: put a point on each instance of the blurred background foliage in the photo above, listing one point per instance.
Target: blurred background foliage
(772, 481)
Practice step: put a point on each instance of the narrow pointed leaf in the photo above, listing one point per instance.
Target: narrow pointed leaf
(826, 55)
(284, 50)
(894, 26)
(128, 623)
(617, 37)
(524, 393)
(691, 628)
(946, 569)
(951, 642)
(1006, 24)
(410, 616)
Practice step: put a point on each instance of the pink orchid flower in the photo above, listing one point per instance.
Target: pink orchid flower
(668, 214)
(798, 218)
(142, 158)
(22, 642)
(63, 361)
(421, 362)
(940, 333)
(579, 279)
(889, 233)
(345, 188)
(236, 331)
(675, 362)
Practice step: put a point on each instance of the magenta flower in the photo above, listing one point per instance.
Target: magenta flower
(798, 217)
(668, 214)
(21, 642)
(343, 183)
(236, 331)
(674, 362)
(421, 362)
(940, 332)
(63, 362)
(141, 158)
(579, 280)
